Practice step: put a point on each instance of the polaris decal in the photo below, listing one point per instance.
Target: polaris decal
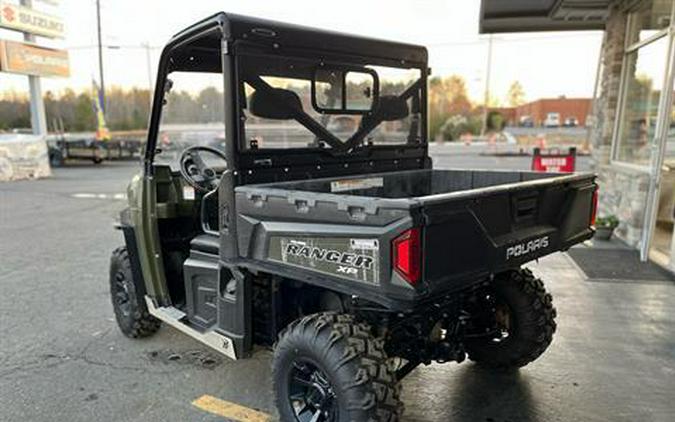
(352, 258)
(526, 247)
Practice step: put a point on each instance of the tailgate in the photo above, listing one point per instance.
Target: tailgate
(469, 235)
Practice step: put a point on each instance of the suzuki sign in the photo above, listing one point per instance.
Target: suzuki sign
(24, 19)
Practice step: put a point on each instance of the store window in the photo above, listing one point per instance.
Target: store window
(644, 76)
(644, 72)
(650, 18)
(669, 159)
(662, 246)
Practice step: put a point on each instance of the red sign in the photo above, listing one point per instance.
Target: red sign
(554, 161)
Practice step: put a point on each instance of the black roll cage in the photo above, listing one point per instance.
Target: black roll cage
(213, 44)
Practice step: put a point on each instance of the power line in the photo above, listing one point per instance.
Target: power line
(521, 38)
(141, 46)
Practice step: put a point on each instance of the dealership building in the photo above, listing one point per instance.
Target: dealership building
(535, 112)
(633, 122)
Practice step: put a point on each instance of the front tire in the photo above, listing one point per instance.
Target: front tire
(525, 318)
(128, 298)
(329, 367)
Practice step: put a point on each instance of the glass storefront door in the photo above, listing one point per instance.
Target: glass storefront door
(645, 134)
(662, 248)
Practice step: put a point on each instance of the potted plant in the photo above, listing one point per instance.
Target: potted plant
(604, 227)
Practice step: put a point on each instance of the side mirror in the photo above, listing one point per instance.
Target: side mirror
(168, 84)
(345, 90)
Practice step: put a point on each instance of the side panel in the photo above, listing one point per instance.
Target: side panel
(339, 246)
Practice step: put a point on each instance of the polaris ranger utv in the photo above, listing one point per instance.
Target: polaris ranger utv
(314, 224)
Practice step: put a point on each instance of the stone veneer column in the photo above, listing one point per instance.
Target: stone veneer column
(605, 107)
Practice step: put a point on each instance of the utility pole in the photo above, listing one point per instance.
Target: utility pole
(146, 46)
(487, 86)
(38, 119)
(100, 54)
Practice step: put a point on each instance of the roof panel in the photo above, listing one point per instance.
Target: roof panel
(543, 15)
(280, 35)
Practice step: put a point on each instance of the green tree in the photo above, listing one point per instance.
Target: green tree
(448, 98)
(84, 116)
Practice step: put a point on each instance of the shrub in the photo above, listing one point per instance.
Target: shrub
(609, 221)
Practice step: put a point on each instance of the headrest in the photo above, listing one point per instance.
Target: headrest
(277, 103)
(391, 107)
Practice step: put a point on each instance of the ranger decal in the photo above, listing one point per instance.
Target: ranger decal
(355, 260)
(352, 258)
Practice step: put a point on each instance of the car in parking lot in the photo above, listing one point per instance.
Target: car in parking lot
(552, 120)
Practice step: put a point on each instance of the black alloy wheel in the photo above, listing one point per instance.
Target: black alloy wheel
(310, 393)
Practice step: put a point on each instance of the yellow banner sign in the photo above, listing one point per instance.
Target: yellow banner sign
(28, 59)
(25, 19)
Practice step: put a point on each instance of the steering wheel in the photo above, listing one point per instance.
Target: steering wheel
(195, 171)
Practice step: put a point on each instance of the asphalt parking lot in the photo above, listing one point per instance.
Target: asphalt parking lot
(63, 359)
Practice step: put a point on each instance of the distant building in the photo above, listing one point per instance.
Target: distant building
(536, 111)
(568, 108)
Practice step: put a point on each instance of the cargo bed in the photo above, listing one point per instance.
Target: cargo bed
(474, 223)
(417, 184)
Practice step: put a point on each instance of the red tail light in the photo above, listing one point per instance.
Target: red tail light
(594, 206)
(407, 255)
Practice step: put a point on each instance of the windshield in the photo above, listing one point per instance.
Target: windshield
(193, 114)
(299, 118)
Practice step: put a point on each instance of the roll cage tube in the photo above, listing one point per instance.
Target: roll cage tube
(208, 28)
(321, 132)
(371, 124)
(211, 57)
(298, 114)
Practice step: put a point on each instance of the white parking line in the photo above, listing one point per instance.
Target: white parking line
(114, 196)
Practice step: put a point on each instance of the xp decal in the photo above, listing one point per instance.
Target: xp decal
(356, 259)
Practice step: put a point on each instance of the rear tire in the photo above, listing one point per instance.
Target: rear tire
(128, 298)
(527, 310)
(332, 365)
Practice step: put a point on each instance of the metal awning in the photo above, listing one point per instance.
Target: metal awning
(543, 15)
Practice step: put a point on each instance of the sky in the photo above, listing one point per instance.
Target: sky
(546, 64)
